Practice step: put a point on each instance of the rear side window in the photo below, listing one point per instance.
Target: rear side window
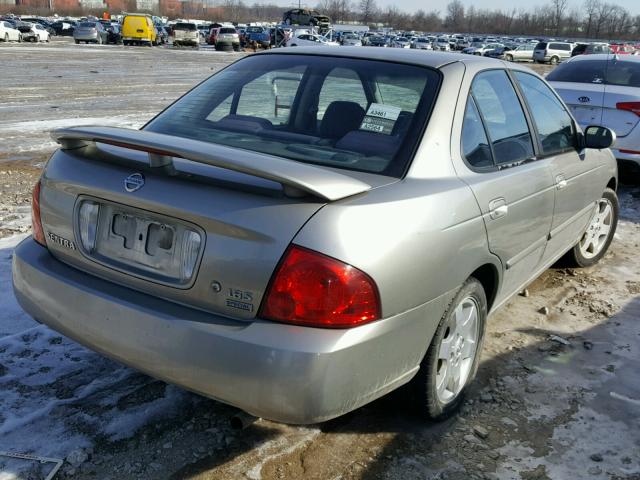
(560, 46)
(583, 71)
(475, 145)
(503, 117)
(541, 46)
(623, 73)
(552, 122)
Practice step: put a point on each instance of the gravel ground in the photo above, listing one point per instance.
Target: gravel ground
(558, 393)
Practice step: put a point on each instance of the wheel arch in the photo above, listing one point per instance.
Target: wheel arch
(489, 278)
(613, 184)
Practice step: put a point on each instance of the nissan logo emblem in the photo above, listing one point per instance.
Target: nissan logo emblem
(584, 99)
(134, 182)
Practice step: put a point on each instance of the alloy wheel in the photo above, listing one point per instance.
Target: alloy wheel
(457, 350)
(595, 237)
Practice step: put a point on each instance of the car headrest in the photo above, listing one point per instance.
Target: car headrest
(339, 118)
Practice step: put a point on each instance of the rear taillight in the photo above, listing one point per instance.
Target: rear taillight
(314, 290)
(36, 223)
(633, 107)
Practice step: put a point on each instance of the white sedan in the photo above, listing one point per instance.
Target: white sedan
(310, 40)
(605, 90)
(8, 33)
(34, 32)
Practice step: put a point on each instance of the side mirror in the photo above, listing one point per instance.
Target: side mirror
(599, 137)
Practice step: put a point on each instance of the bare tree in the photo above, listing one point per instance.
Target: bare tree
(368, 9)
(590, 8)
(455, 15)
(559, 7)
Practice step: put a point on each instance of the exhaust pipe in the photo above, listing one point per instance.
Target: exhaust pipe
(242, 420)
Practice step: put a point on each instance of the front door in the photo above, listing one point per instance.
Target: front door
(577, 180)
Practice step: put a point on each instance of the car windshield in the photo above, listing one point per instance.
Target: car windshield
(347, 113)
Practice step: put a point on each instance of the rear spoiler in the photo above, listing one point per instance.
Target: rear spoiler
(296, 178)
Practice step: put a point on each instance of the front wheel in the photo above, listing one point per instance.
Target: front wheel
(595, 241)
(451, 361)
(509, 58)
(6, 38)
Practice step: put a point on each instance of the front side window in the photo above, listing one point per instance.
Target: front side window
(347, 113)
(503, 117)
(552, 122)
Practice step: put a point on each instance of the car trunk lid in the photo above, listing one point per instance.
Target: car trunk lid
(621, 118)
(243, 216)
(584, 99)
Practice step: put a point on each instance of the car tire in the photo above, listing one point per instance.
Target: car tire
(293, 45)
(509, 58)
(6, 38)
(554, 60)
(19, 38)
(595, 241)
(437, 393)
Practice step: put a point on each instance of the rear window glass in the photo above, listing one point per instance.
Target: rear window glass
(255, 30)
(623, 73)
(585, 71)
(299, 107)
(185, 26)
(87, 25)
(228, 30)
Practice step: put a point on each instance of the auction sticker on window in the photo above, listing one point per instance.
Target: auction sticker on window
(380, 118)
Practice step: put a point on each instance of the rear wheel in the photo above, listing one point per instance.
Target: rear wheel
(451, 361)
(509, 58)
(554, 60)
(595, 241)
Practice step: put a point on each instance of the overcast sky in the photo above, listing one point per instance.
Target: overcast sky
(412, 5)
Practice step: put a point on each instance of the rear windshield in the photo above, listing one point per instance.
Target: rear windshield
(228, 30)
(87, 25)
(360, 115)
(541, 46)
(615, 72)
(255, 30)
(185, 26)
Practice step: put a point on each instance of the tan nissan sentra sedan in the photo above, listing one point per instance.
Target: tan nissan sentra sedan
(308, 230)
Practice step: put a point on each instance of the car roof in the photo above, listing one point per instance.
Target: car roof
(408, 56)
(605, 56)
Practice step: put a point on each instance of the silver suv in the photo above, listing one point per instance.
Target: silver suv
(302, 249)
(552, 52)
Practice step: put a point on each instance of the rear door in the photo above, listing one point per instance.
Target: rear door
(513, 190)
(621, 106)
(576, 178)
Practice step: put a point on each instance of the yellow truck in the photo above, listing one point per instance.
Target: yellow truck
(138, 29)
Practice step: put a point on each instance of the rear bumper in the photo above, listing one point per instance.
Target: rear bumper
(285, 373)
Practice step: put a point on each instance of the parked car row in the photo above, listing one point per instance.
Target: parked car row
(19, 31)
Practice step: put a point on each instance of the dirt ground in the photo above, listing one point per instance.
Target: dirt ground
(558, 391)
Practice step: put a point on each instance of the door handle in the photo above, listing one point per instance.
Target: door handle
(561, 182)
(498, 208)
